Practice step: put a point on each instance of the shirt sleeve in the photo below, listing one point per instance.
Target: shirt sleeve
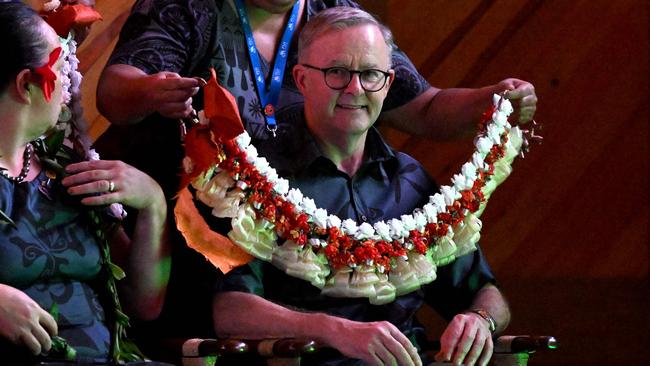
(247, 278)
(165, 35)
(457, 284)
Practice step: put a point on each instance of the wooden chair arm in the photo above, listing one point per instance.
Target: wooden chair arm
(205, 352)
(524, 343)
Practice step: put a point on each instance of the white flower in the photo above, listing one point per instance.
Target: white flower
(383, 230)
(349, 227)
(450, 194)
(272, 176)
(93, 155)
(251, 153)
(308, 205)
(315, 242)
(262, 165)
(188, 165)
(202, 120)
(396, 229)
(494, 133)
(438, 200)
(365, 231)
(483, 145)
(243, 140)
(431, 212)
(281, 186)
(478, 161)
(420, 219)
(333, 221)
(294, 196)
(408, 221)
(51, 5)
(506, 107)
(320, 218)
(469, 170)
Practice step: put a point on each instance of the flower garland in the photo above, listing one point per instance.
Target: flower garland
(343, 259)
(72, 128)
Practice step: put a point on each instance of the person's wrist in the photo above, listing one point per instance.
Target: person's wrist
(492, 324)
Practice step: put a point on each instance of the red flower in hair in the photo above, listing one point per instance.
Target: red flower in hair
(47, 77)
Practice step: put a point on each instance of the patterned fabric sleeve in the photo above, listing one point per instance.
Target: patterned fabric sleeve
(165, 35)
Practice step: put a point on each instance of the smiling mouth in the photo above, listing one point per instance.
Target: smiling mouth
(351, 106)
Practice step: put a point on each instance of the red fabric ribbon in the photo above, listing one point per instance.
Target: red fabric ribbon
(68, 16)
(47, 77)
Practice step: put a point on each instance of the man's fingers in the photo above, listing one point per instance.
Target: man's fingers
(172, 83)
(406, 351)
(49, 324)
(488, 349)
(476, 350)
(43, 338)
(465, 344)
(31, 343)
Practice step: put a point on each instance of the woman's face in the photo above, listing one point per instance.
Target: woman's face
(46, 112)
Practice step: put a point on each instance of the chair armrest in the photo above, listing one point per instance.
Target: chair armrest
(524, 343)
(269, 348)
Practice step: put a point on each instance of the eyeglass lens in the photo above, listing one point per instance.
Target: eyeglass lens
(339, 78)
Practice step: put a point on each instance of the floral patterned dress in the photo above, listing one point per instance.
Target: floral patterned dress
(53, 256)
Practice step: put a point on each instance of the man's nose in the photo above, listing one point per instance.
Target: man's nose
(354, 86)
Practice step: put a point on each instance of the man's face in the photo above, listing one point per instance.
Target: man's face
(352, 110)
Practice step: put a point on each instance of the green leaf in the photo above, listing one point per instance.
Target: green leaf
(54, 141)
(54, 311)
(7, 220)
(118, 273)
(121, 318)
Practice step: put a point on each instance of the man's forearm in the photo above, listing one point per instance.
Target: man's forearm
(443, 114)
(244, 315)
(122, 95)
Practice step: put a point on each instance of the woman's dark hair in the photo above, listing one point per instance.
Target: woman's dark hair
(24, 46)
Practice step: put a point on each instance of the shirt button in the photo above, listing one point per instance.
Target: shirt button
(364, 218)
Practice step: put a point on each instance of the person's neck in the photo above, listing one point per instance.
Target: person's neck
(12, 143)
(268, 26)
(346, 152)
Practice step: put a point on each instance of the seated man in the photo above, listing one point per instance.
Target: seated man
(345, 166)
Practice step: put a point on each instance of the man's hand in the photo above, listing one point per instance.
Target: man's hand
(24, 322)
(377, 343)
(171, 95)
(467, 341)
(522, 96)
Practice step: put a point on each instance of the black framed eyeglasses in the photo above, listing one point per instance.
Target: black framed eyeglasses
(339, 78)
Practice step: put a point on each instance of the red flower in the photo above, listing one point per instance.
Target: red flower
(47, 77)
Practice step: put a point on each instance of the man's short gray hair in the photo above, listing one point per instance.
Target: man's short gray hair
(337, 18)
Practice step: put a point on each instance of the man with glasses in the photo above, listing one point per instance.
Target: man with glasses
(344, 73)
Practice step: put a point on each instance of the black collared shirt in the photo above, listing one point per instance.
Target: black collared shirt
(388, 185)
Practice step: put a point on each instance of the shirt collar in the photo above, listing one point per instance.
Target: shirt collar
(377, 153)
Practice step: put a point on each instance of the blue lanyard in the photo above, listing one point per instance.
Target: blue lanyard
(269, 95)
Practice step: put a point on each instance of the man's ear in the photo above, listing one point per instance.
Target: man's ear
(299, 77)
(391, 77)
(24, 90)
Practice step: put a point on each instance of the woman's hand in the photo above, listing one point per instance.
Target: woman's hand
(24, 322)
(108, 181)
